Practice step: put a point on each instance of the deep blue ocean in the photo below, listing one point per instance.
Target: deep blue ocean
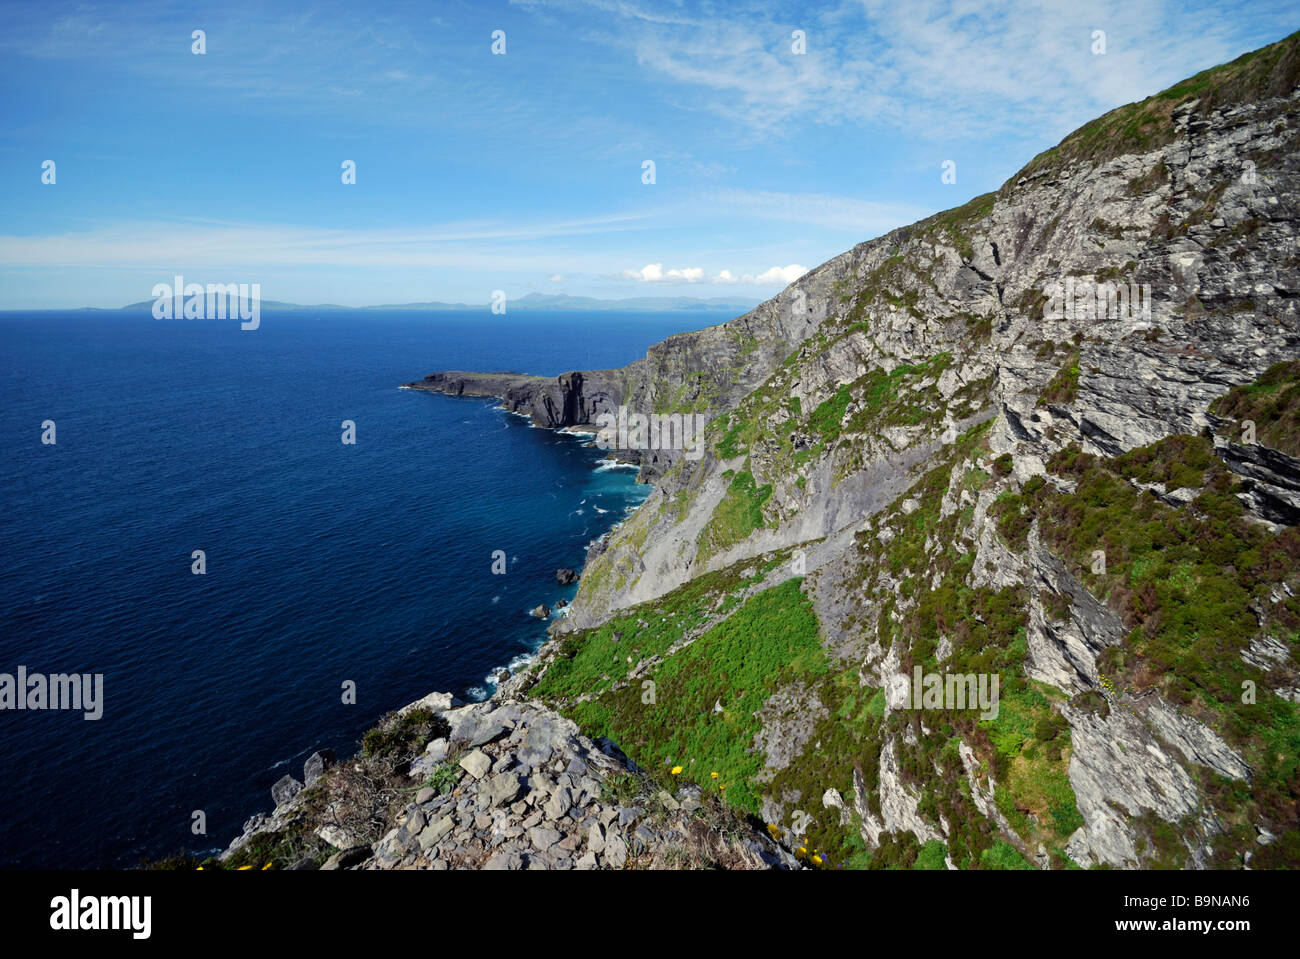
(324, 562)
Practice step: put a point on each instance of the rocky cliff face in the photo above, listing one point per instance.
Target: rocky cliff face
(498, 785)
(1043, 436)
(701, 371)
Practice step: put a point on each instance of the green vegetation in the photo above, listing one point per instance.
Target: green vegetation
(931, 856)
(738, 514)
(592, 661)
(1272, 402)
(879, 399)
(772, 639)
(1186, 583)
(1033, 740)
(408, 734)
(826, 418)
(1063, 388)
(1271, 71)
(443, 778)
(1002, 855)
(957, 222)
(1176, 461)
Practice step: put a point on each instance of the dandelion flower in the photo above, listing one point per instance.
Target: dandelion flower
(714, 775)
(242, 868)
(676, 770)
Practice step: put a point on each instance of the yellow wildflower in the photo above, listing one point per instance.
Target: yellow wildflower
(676, 770)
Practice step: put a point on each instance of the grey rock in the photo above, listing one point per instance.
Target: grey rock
(347, 858)
(615, 854)
(504, 789)
(476, 764)
(505, 860)
(595, 838)
(434, 832)
(559, 804)
(316, 765)
(285, 788)
(543, 837)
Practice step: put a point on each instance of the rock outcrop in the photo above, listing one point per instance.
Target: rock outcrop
(507, 785)
(984, 444)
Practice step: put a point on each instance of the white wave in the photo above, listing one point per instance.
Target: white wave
(603, 466)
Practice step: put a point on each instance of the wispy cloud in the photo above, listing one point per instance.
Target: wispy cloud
(218, 245)
(859, 217)
(959, 68)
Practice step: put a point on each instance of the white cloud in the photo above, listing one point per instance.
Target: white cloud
(785, 275)
(655, 273)
(558, 277)
(777, 275)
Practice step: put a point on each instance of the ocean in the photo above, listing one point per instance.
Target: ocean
(325, 563)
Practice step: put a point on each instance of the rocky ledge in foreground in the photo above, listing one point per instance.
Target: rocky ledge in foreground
(494, 785)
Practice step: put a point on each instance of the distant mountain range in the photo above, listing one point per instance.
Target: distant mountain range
(533, 301)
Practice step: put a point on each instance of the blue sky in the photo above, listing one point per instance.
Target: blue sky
(523, 172)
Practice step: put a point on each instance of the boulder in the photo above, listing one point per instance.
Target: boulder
(347, 858)
(316, 765)
(285, 789)
(504, 789)
(565, 576)
(541, 612)
(476, 764)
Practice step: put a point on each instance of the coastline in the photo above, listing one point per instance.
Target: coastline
(490, 688)
(491, 684)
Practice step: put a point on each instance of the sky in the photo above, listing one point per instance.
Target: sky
(780, 135)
